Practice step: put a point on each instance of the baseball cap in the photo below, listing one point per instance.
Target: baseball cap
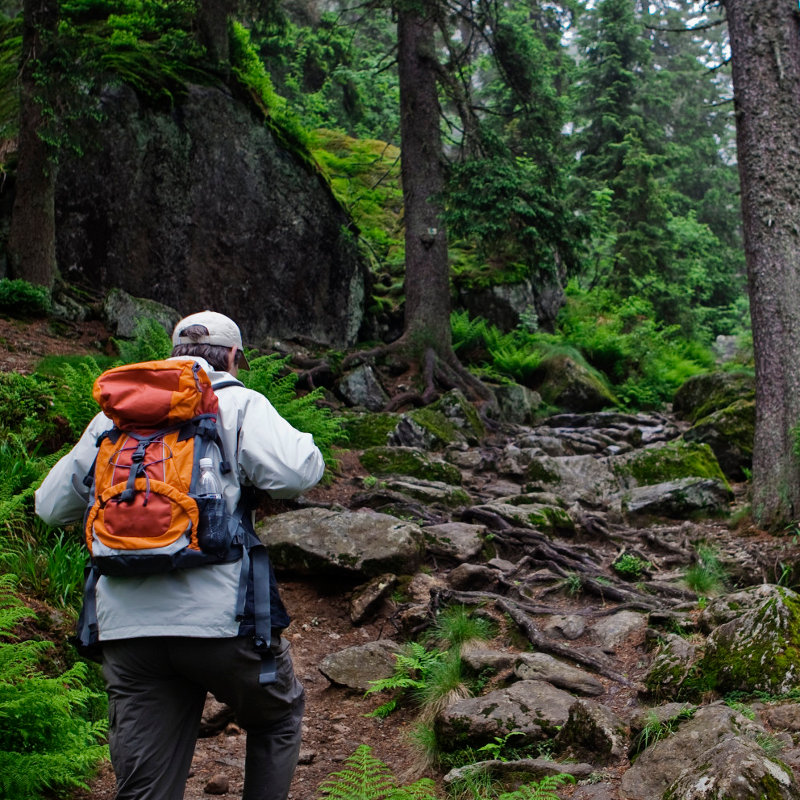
(222, 331)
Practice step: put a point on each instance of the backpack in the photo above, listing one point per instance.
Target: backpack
(144, 516)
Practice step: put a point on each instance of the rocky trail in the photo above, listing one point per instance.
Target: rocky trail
(574, 535)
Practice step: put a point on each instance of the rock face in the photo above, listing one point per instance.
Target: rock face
(199, 207)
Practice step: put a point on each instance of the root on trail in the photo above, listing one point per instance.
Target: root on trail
(439, 371)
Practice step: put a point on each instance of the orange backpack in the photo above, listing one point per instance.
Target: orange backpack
(144, 515)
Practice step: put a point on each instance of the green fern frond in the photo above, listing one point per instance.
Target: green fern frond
(545, 789)
(364, 777)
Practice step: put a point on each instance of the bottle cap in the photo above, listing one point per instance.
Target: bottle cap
(206, 463)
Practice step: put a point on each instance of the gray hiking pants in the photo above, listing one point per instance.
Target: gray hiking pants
(156, 691)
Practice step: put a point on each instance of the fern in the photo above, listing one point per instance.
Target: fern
(150, 342)
(366, 777)
(545, 789)
(48, 739)
(269, 376)
(73, 394)
(363, 778)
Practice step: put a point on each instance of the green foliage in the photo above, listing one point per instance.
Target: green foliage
(631, 567)
(457, 625)
(49, 563)
(48, 738)
(22, 299)
(269, 376)
(707, 575)
(366, 777)
(25, 404)
(496, 750)
(544, 789)
(73, 394)
(150, 342)
(655, 730)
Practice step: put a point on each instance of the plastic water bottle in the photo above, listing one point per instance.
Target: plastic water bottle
(212, 535)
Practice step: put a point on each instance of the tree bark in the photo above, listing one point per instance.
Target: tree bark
(765, 49)
(212, 22)
(427, 278)
(31, 246)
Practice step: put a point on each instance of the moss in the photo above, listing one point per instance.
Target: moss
(669, 462)
(442, 432)
(550, 518)
(367, 430)
(538, 471)
(408, 461)
(759, 651)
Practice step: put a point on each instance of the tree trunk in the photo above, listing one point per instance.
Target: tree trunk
(765, 48)
(212, 23)
(31, 243)
(427, 284)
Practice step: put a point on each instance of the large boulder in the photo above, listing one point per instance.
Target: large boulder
(729, 433)
(199, 206)
(315, 541)
(534, 708)
(715, 754)
(702, 395)
(568, 385)
(409, 461)
(758, 650)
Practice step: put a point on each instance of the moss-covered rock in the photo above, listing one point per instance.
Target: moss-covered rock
(666, 461)
(408, 461)
(564, 383)
(759, 650)
(702, 395)
(670, 667)
(729, 433)
(367, 430)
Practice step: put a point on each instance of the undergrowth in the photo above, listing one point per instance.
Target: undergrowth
(51, 728)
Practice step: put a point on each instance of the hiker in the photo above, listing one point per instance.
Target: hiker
(166, 639)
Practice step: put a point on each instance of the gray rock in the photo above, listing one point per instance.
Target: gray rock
(613, 630)
(570, 626)
(457, 540)
(544, 518)
(543, 667)
(356, 667)
(729, 433)
(759, 650)
(670, 666)
(192, 212)
(512, 774)
(123, 312)
(430, 491)
(595, 732)
(783, 717)
(473, 578)
(571, 386)
(685, 754)
(365, 598)
(736, 770)
(517, 403)
(729, 606)
(360, 387)
(678, 499)
(478, 657)
(362, 544)
(534, 708)
(573, 478)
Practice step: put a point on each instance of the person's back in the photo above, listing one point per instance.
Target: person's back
(166, 639)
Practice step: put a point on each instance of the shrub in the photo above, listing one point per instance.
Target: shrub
(48, 737)
(23, 299)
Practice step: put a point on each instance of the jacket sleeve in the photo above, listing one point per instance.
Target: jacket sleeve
(62, 495)
(273, 455)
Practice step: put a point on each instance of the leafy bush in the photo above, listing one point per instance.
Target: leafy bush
(25, 404)
(49, 741)
(22, 299)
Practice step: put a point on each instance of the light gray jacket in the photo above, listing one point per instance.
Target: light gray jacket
(269, 453)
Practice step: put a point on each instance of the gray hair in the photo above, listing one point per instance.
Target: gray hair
(215, 354)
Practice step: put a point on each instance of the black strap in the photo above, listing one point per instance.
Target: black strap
(86, 636)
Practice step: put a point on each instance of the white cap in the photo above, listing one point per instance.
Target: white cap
(222, 331)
